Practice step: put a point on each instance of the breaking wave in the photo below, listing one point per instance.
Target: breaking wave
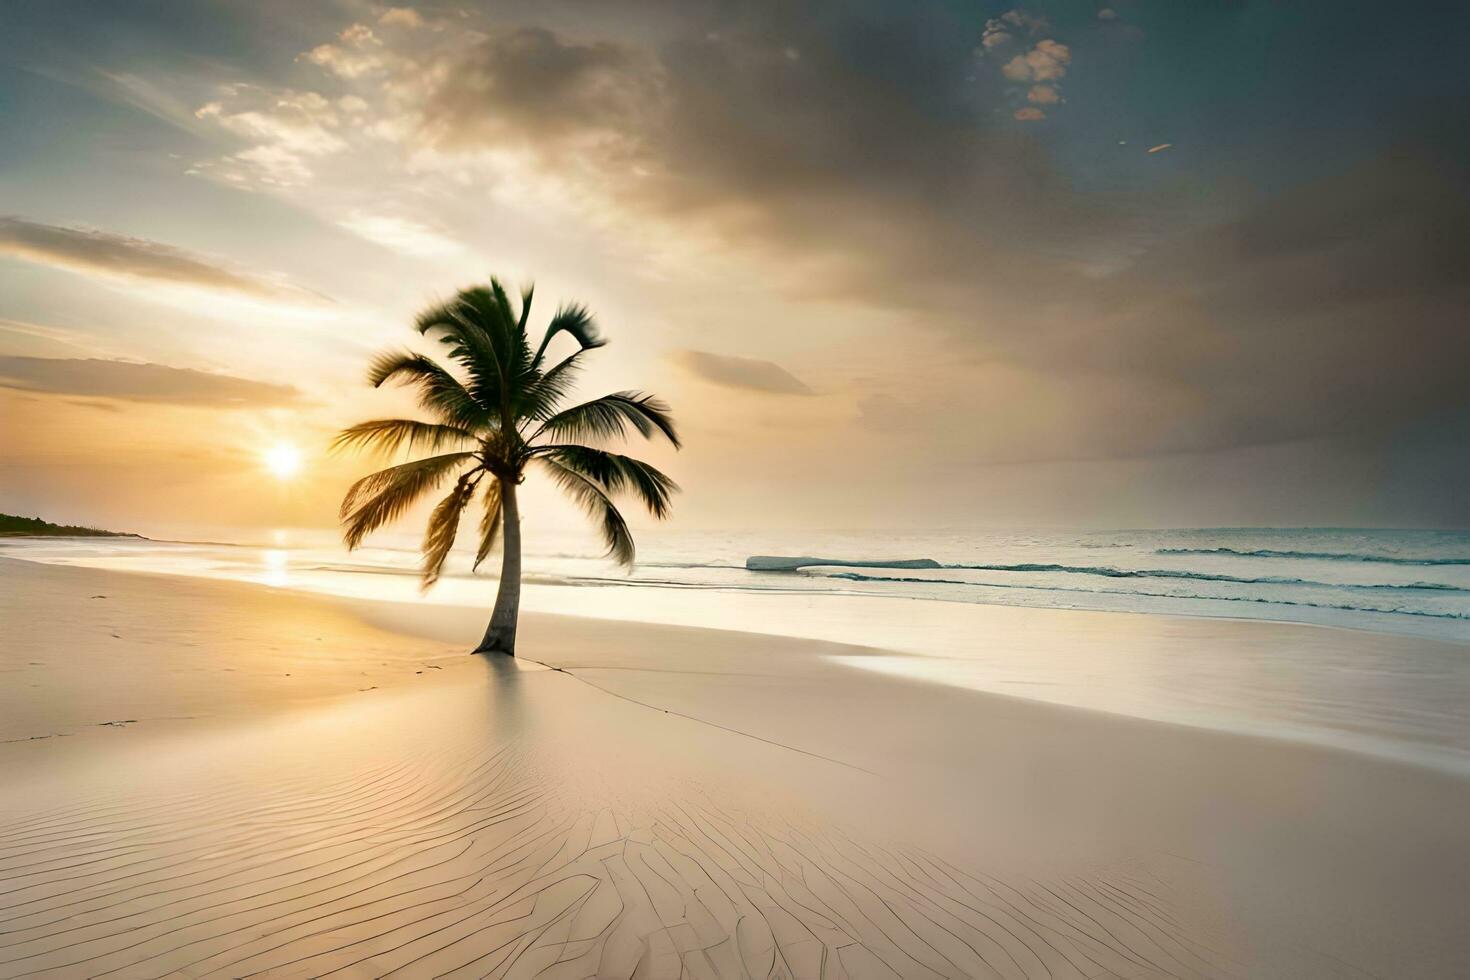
(859, 577)
(1316, 555)
(760, 563)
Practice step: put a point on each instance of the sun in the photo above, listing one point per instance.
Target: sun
(283, 460)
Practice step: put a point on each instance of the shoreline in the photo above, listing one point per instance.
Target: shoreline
(1097, 630)
(1375, 629)
(447, 626)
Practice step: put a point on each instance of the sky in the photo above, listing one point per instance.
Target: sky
(1134, 263)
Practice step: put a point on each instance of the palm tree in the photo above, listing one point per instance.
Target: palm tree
(498, 421)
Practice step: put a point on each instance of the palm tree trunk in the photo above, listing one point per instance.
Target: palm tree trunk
(500, 636)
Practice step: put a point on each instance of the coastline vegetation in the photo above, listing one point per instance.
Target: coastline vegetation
(12, 526)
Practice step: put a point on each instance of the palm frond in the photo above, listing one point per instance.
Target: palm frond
(527, 291)
(389, 435)
(616, 474)
(595, 501)
(443, 528)
(546, 391)
(384, 496)
(470, 327)
(439, 391)
(508, 315)
(520, 368)
(608, 417)
(490, 523)
(496, 309)
(574, 319)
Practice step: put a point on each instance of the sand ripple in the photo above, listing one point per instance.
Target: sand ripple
(482, 858)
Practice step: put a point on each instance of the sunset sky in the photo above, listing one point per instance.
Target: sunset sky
(1150, 263)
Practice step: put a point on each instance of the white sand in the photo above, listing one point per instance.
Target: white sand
(305, 787)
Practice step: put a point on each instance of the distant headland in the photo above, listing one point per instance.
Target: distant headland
(33, 527)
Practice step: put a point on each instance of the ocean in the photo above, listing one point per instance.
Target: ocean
(929, 596)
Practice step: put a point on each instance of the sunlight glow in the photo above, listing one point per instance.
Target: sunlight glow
(276, 567)
(283, 460)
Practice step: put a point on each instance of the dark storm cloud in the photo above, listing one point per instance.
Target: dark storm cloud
(140, 382)
(529, 85)
(1338, 307)
(875, 147)
(864, 136)
(741, 372)
(104, 253)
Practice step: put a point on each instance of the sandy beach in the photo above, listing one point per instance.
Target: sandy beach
(217, 779)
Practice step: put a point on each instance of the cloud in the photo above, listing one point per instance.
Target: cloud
(724, 139)
(529, 85)
(711, 136)
(1046, 61)
(401, 235)
(288, 128)
(1329, 314)
(140, 382)
(1018, 20)
(401, 17)
(1031, 22)
(301, 122)
(741, 372)
(271, 164)
(1034, 72)
(1001, 31)
(995, 37)
(1333, 308)
(358, 54)
(1017, 70)
(108, 255)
